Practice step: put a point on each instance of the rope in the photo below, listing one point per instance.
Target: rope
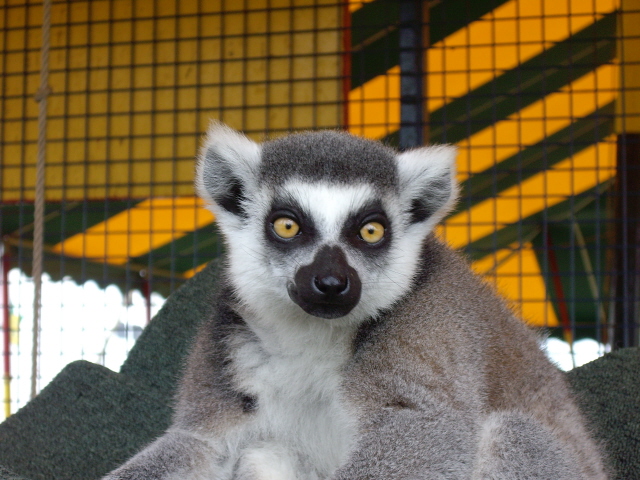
(38, 222)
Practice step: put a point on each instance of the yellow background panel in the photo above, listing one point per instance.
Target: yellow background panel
(150, 224)
(135, 84)
(500, 40)
(374, 108)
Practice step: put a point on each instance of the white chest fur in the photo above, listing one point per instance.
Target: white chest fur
(300, 429)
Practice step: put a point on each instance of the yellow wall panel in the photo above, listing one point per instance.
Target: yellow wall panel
(511, 34)
(374, 107)
(127, 77)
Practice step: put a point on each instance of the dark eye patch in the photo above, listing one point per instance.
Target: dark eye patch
(371, 212)
(289, 208)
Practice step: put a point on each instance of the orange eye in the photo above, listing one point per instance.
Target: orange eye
(372, 232)
(286, 227)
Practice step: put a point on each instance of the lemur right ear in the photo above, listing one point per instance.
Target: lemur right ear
(227, 167)
(428, 182)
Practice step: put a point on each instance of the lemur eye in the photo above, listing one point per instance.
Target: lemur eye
(285, 227)
(372, 232)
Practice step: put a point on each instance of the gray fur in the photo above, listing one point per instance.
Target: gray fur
(328, 155)
(430, 376)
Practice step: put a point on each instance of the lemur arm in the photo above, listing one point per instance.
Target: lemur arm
(178, 454)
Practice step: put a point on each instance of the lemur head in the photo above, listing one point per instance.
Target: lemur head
(323, 226)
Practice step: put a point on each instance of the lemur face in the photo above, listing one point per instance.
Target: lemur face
(322, 226)
(331, 242)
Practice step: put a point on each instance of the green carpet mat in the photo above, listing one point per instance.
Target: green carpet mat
(89, 419)
(83, 424)
(7, 475)
(608, 391)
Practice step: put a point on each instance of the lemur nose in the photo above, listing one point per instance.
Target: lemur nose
(331, 285)
(328, 287)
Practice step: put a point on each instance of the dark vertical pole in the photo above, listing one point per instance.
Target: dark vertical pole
(627, 247)
(426, 43)
(146, 292)
(411, 73)
(346, 62)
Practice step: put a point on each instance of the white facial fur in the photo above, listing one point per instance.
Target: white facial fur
(261, 278)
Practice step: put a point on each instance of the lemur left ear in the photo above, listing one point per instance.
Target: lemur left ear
(428, 182)
(228, 166)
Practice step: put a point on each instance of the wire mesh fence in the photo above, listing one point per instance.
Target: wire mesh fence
(540, 96)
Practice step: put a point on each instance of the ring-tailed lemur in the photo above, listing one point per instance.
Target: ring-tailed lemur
(347, 342)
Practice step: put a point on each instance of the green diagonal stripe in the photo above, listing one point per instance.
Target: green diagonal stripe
(531, 81)
(185, 253)
(539, 157)
(375, 59)
(62, 220)
(372, 19)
